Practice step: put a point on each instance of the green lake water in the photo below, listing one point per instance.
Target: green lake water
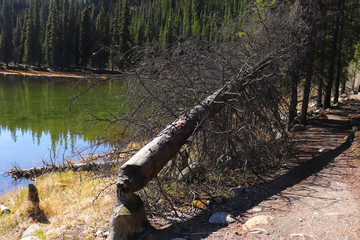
(38, 122)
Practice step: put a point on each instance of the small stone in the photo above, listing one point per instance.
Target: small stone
(258, 231)
(31, 231)
(255, 221)
(98, 233)
(105, 234)
(188, 173)
(237, 191)
(257, 209)
(221, 218)
(4, 209)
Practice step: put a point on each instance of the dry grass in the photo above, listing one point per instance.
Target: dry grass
(70, 203)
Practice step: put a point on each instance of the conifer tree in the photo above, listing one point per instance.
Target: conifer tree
(120, 34)
(7, 34)
(85, 36)
(102, 38)
(52, 44)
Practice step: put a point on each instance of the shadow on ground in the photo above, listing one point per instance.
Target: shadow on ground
(321, 144)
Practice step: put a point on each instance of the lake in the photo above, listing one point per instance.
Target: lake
(41, 121)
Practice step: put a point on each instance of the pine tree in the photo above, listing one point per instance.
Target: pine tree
(85, 36)
(7, 46)
(52, 44)
(102, 38)
(120, 34)
(18, 45)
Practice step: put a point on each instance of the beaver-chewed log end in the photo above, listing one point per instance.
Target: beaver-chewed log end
(128, 218)
(33, 209)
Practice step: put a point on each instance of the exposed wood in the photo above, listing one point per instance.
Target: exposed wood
(33, 173)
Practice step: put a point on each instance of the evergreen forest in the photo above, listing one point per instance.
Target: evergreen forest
(97, 33)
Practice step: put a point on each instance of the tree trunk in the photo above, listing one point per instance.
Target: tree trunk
(319, 102)
(128, 217)
(339, 62)
(33, 173)
(310, 66)
(294, 99)
(327, 100)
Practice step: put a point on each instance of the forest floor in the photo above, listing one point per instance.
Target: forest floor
(317, 196)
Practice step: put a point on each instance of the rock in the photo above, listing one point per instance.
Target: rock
(258, 231)
(221, 218)
(98, 233)
(55, 231)
(30, 238)
(299, 127)
(255, 221)
(189, 172)
(4, 209)
(237, 191)
(257, 209)
(31, 231)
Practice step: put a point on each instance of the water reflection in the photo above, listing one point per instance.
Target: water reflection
(38, 122)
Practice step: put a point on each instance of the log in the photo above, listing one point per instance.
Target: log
(33, 209)
(33, 173)
(148, 161)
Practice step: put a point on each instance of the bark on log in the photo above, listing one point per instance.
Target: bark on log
(147, 163)
(33, 173)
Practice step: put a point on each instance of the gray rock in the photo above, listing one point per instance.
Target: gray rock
(189, 172)
(31, 231)
(221, 218)
(4, 209)
(30, 238)
(237, 191)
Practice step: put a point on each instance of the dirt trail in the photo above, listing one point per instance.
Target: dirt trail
(318, 197)
(318, 200)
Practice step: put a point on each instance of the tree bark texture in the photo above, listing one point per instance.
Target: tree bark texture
(310, 66)
(334, 49)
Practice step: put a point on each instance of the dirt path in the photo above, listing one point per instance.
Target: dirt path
(318, 197)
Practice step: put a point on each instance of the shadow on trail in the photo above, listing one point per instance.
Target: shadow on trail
(199, 228)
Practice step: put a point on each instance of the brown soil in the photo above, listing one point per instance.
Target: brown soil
(317, 196)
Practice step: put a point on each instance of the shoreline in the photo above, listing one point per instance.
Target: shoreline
(42, 72)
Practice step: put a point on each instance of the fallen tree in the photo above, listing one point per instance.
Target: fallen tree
(128, 215)
(32, 173)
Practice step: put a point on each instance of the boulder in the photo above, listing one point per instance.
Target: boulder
(222, 218)
(31, 231)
